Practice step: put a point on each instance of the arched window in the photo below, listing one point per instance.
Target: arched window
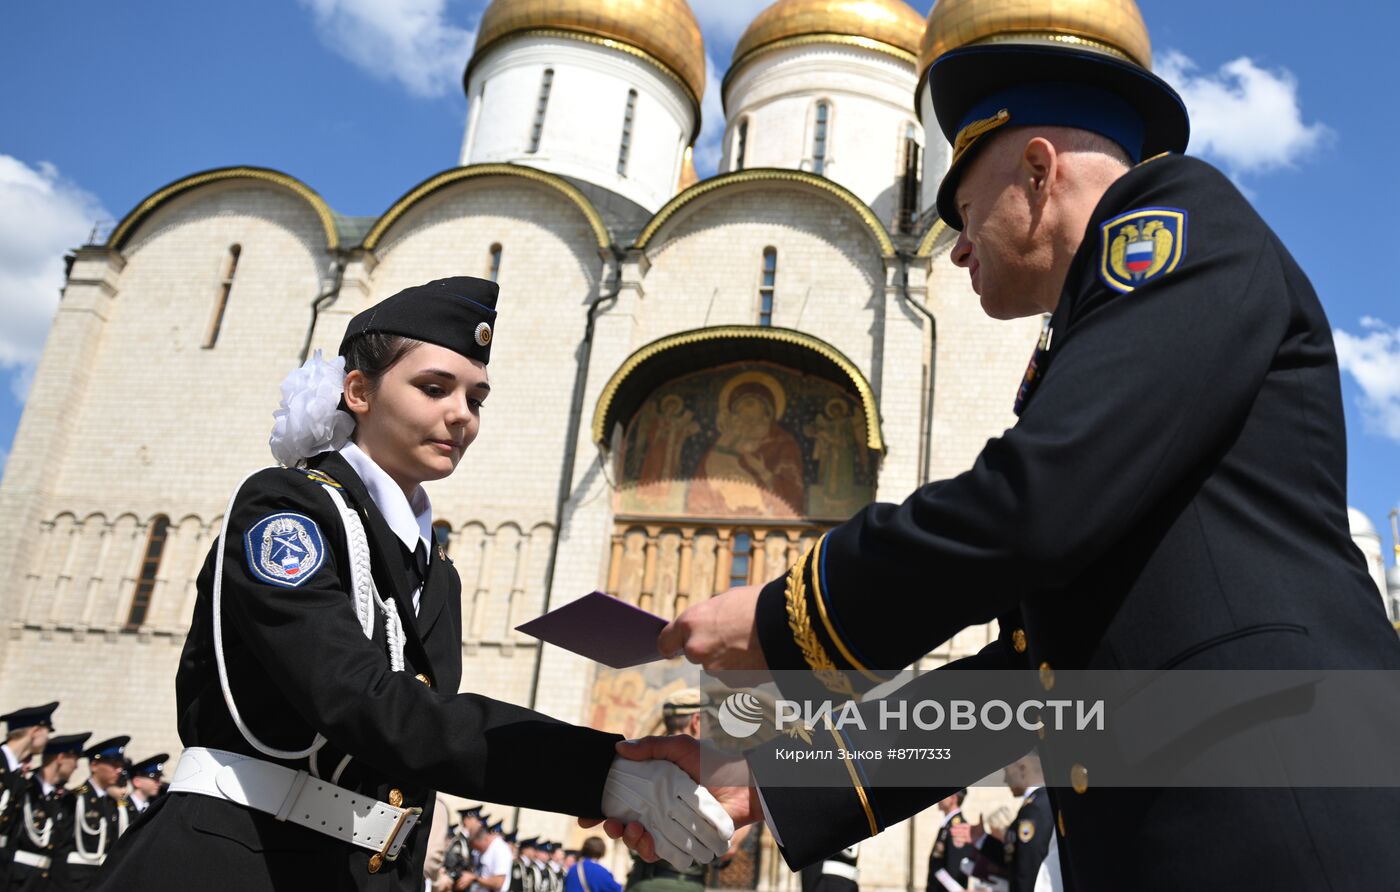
(741, 144)
(912, 154)
(819, 134)
(626, 148)
(216, 322)
(494, 268)
(546, 83)
(150, 565)
(766, 286)
(741, 557)
(442, 536)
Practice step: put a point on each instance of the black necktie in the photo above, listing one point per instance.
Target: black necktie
(416, 564)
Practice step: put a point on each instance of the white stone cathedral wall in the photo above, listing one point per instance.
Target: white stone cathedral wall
(163, 427)
(707, 268)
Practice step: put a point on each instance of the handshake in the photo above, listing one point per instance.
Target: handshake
(655, 803)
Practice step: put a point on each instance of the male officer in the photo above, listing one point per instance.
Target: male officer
(44, 836)
(1172, 495)
(26, 733)
(99, 817)
(148, 781)
(945, 871)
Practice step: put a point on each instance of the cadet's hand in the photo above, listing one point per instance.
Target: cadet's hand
(962, 833)
(719, 633)
(729, 786)
(464, 882)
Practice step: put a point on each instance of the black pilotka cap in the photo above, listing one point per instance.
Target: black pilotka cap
(457, 313)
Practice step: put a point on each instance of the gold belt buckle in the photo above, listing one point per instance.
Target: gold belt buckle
(377, 860)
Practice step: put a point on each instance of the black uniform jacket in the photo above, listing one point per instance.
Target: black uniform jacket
(91, 812)
(1172, 496)
(1027, 842)
(946, 855)
(57, 806)
(298, 664)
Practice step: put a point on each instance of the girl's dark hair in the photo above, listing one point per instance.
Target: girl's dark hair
(374, 353)
(593, 847)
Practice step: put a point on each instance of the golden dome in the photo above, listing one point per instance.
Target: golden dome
(1114, 26)
(891, 24)
(664, 32)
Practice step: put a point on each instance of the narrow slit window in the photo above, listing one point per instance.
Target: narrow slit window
(546, 84)
(150, 565)
(767, 285)
(625, 149)
(911, 176)
(493, 268)
(216, 322)
(819, 138)
(742, 558)
(742, 144)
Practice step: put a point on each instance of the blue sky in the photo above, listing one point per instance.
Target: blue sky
(105, 102)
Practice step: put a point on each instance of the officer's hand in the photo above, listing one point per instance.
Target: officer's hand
(718, 634)
(962, 833)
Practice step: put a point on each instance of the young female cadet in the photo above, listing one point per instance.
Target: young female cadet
(317, 688)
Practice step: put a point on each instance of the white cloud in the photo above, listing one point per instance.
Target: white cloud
(408, 41)
(709, 147)
(1373, 359)
(42, 215)
(1243, 115)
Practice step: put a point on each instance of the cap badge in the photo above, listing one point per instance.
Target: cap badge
(483, 334)
(1140, 246)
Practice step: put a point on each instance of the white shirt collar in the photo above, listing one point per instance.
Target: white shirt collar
(10, 757)
(412, 521)
(951, 815)
(45, 786)
(97, 791)
(1030, 791)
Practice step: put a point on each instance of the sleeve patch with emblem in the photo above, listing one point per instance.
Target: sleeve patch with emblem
(1025, 830)
(285, 549)
(1140, 246)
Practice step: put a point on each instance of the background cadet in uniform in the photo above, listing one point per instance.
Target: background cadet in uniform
(147, 781)
(949, 847)
(99, 817)
(1022, 849)
(45, 833)
(459, 857)
(326, 639)
(26, 733)
(1172, 495)
(525, 858)
(835, 873)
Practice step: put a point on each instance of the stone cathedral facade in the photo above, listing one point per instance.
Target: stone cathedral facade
(692, 377)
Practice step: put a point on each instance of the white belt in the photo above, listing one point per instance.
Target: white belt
(31, 859)
(295, 796)
(4, 841)
(841, 869)
(94, 861)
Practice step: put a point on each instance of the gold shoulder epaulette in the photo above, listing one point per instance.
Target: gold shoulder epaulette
(322, 477)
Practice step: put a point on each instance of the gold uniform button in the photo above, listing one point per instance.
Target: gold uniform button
(1047, 676)
(395, 798)
(1060, 819)
(375, 862)
(1018, 640)
(1079, 778)
(425, 679)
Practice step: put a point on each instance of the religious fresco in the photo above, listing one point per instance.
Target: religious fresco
(749, 439)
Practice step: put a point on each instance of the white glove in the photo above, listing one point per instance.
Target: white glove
(685, 821)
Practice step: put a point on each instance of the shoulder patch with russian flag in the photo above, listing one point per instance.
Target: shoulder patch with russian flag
(1140, 246)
